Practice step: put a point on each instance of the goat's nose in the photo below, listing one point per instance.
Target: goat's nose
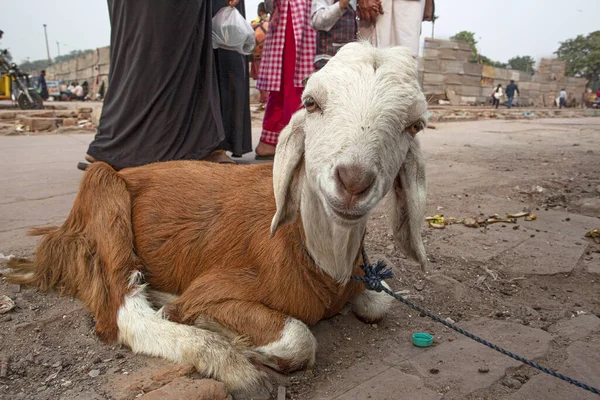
(354, 180)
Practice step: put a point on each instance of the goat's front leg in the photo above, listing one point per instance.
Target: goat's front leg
(371, 306)
(368, 305)
(281, 342)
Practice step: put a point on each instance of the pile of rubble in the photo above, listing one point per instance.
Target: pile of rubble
(17, 122)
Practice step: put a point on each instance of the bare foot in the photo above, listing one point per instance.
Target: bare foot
(220, 157)
(264, 149)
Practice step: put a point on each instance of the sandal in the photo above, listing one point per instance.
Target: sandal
(259, 157)
(219, 157)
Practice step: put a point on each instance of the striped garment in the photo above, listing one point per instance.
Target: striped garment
(271, 64)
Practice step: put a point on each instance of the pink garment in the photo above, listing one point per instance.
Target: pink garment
(271, 65)
(282, 104)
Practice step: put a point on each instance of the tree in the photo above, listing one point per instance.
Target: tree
(582, 55)
(476, 57)
(71, 55)
(466, 37)
(30, 67)
(37, 65)
(522, 63)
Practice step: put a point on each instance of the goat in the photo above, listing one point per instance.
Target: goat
(240, 260)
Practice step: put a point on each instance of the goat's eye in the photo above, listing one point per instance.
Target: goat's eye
(310, 105)
(415, 128)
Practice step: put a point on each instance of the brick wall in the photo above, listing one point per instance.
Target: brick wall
(85, 68)
(445, 66)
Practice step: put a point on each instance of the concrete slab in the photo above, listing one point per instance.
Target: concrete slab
(458, 361)
(392, 384)
(583, 364)
(578, 328)
(347, 380)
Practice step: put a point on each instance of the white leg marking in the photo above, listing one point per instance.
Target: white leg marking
(371, 305)
(297, 346)
(146, 332)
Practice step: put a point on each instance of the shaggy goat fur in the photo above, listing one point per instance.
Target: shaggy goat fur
(240, 259)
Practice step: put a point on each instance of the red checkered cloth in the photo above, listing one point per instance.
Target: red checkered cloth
(305, 37)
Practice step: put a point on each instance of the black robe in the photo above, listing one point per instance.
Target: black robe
(162, 101)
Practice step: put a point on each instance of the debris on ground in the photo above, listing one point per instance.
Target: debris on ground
(594, 235)
(4, 359)
(6, 304)
(470, 222)
(440, 222)
(437, 221)
(531, 217)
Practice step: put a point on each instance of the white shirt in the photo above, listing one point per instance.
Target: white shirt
(498, 93)
(563, 94)
(78, 91)
(325, 13)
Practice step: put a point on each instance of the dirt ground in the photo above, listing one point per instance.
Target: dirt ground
(531, 287)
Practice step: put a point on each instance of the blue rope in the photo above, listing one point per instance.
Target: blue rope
(374, 274)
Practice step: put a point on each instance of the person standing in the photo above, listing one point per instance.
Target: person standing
(287, 59)
(388, 23)
(510, 93)
(335, 23)
(43, 85)
(163, 102)
(233, 76)
(260, 25)
(562, 98)
(496, 96)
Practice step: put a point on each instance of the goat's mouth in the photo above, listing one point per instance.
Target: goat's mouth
(347, 215)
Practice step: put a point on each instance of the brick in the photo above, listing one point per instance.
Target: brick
(167, 375)
(69, 122)
(433, 79)
(189, 389)
(40, 124)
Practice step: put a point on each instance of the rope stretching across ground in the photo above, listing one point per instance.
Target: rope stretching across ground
(375, 273)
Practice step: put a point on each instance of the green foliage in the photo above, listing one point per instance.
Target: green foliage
(522, 63)
(37, 65)
(476, 57)
(466, 37)
(71, 55)
(582, 55)
(30, 67)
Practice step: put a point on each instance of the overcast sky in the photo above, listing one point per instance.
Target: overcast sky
(504, 28)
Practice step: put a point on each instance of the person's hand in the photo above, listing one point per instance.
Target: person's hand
(343, 4)
(233, 3)
(369, 10)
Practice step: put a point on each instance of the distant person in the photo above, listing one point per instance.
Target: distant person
(233, 77)
(562, 98)
(77, 92)
(497, 95)
(288, 58)
(335, 23)
(43, 85)
(510, 93)
(260, 25)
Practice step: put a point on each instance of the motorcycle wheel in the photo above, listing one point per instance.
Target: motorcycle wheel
(25, 104)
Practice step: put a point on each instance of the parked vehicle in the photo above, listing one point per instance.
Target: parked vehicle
(15, 85)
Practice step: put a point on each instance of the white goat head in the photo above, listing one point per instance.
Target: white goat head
(354, 143)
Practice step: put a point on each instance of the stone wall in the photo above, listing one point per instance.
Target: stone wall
(84, 68)
(445, 67)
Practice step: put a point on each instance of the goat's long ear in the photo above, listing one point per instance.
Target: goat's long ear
(287, 171)
(408, 204)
